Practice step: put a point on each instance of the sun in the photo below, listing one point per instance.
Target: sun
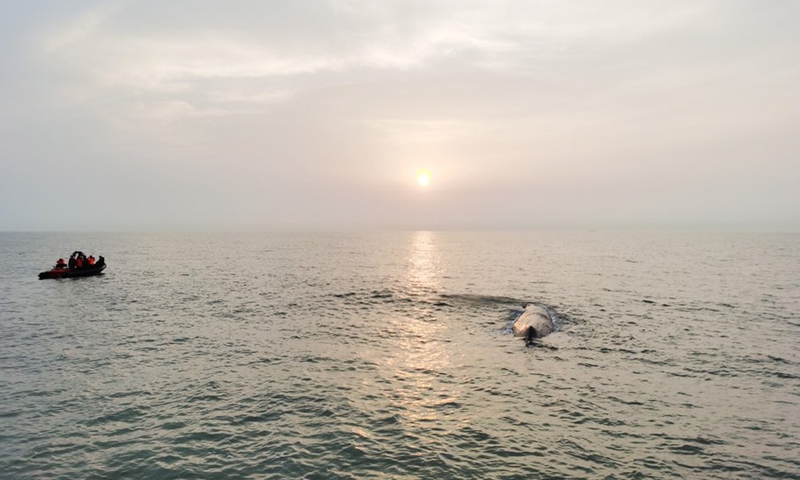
(423, 178)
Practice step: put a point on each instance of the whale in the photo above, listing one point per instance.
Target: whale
(534, 322)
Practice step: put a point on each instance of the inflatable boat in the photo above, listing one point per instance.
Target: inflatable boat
(70, 271)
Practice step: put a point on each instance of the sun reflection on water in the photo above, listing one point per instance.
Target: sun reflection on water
(422, 358)
(423, 274)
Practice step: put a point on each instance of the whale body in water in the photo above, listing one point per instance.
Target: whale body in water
(534, 322)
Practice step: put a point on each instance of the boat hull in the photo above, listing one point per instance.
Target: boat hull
(67, 273)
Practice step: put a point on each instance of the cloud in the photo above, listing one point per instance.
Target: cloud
(81, 28)
(424, 131)
(168, 69)
(173, 109)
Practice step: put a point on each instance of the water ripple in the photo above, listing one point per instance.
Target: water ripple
(389, 355)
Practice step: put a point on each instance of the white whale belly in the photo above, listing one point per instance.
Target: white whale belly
(536, 317)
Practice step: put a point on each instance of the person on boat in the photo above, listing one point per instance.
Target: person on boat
(79, 262)
(72, 262)
(91, 260)
(61, 263)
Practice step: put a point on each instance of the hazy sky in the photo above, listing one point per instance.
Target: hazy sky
(318, 114)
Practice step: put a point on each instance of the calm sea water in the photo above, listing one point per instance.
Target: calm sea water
(389, 355)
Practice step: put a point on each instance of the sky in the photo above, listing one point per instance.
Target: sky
(303, 114)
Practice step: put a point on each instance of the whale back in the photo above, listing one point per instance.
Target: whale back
(536, 317)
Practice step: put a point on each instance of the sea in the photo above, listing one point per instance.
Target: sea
(389, 355)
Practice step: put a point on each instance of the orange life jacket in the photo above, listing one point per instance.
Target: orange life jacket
(91, 260)
(79, 262)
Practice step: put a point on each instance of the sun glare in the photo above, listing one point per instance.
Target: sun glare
(423, 178)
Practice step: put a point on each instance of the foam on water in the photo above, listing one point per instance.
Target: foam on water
(375, 355)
